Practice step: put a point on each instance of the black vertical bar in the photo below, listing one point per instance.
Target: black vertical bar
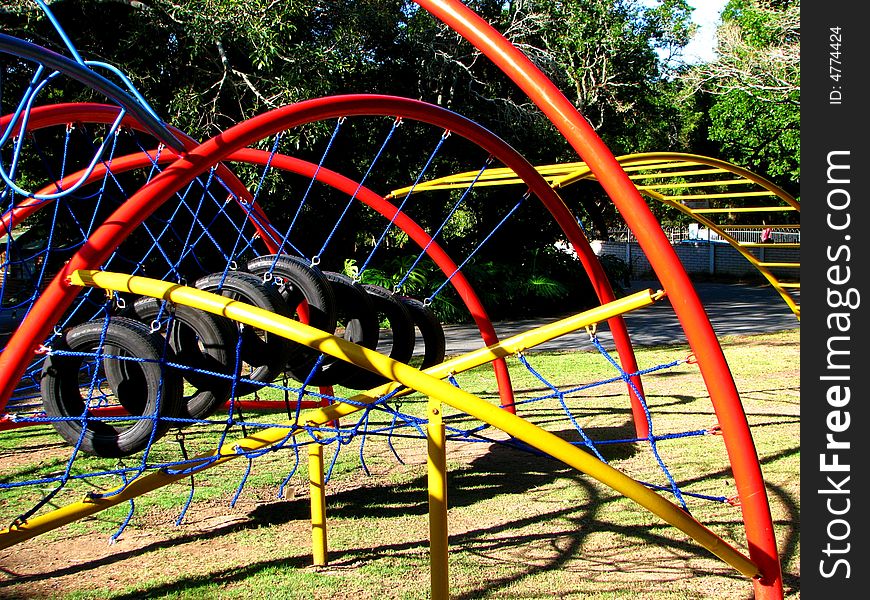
(835, 249)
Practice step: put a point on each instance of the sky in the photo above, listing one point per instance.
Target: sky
(706, 16)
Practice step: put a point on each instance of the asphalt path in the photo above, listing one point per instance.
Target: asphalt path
(733, 309)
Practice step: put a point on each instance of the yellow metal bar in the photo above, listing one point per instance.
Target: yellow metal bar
(787, 297)
(267, 437)
(677, 173)
(735, 209)
(436, 437)
(265, 320)
(790, 284)
(733, 242)
(732, 168)
(557, 175)
(642, 173)
(697, 184)
(783, 245)
(660, 166)
(425, 384)
(646, 165)
(780, 265)
(430, 386)
(317, 486)
(723, 195)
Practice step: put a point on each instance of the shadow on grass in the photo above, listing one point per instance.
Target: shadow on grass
(500, 470)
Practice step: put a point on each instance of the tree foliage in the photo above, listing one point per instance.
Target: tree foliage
(754, 112)
(206, 65)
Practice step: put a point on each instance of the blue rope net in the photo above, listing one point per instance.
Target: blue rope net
(393, 421)
(206, 228)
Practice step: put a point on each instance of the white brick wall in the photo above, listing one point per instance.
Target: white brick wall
(710, 258)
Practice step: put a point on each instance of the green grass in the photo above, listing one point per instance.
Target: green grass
(521, 525)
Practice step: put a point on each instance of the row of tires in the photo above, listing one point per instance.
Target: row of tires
(140, 359)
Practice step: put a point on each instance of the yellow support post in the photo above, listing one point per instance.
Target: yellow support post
(439, 578)
(317, 486)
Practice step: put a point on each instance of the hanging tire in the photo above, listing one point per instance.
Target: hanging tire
(401, 346)
(144, 389)
(354, 309)
(299, 283)
(434, 343)
(202, 342)
(264, 353)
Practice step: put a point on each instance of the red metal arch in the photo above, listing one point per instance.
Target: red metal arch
(425, 113)
(687, 306)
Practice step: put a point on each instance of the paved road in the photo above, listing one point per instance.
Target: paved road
(732, 309)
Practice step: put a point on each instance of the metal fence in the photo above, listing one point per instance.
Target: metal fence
(742, 234)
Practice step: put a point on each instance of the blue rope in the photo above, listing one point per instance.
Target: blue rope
(446, 220)
(586, 440)
(599, 383)
(286, 236)
(114, 537)
(242, 482)
(262, 226)
(476, 249)
(328, 475)
(291, 473)
(399, 208)
(247, 210)
(155, 416)
(188, 247)
(23, 111)
(180, 437)
(390, 445)
(650, 438)
(64, 478)
(362, 443)
(396, 123)
(102, 190)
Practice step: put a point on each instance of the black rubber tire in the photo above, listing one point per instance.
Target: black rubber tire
(354, 308)
(201, 341)
(297, 281)
(388, 307)
(266, 353)
(434, 342)
(142, 385)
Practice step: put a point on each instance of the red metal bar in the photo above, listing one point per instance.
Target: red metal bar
(687, 306)
(52, 115)
(378, 203)
(537, 185)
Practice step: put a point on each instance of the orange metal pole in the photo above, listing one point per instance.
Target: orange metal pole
(684, 299)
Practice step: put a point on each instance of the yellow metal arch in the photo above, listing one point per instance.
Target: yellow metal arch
(697, 186)
(430, 382)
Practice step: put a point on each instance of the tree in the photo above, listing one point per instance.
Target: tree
(208, 64)
(755, 87)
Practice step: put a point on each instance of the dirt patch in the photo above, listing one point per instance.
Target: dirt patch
(151, 546)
